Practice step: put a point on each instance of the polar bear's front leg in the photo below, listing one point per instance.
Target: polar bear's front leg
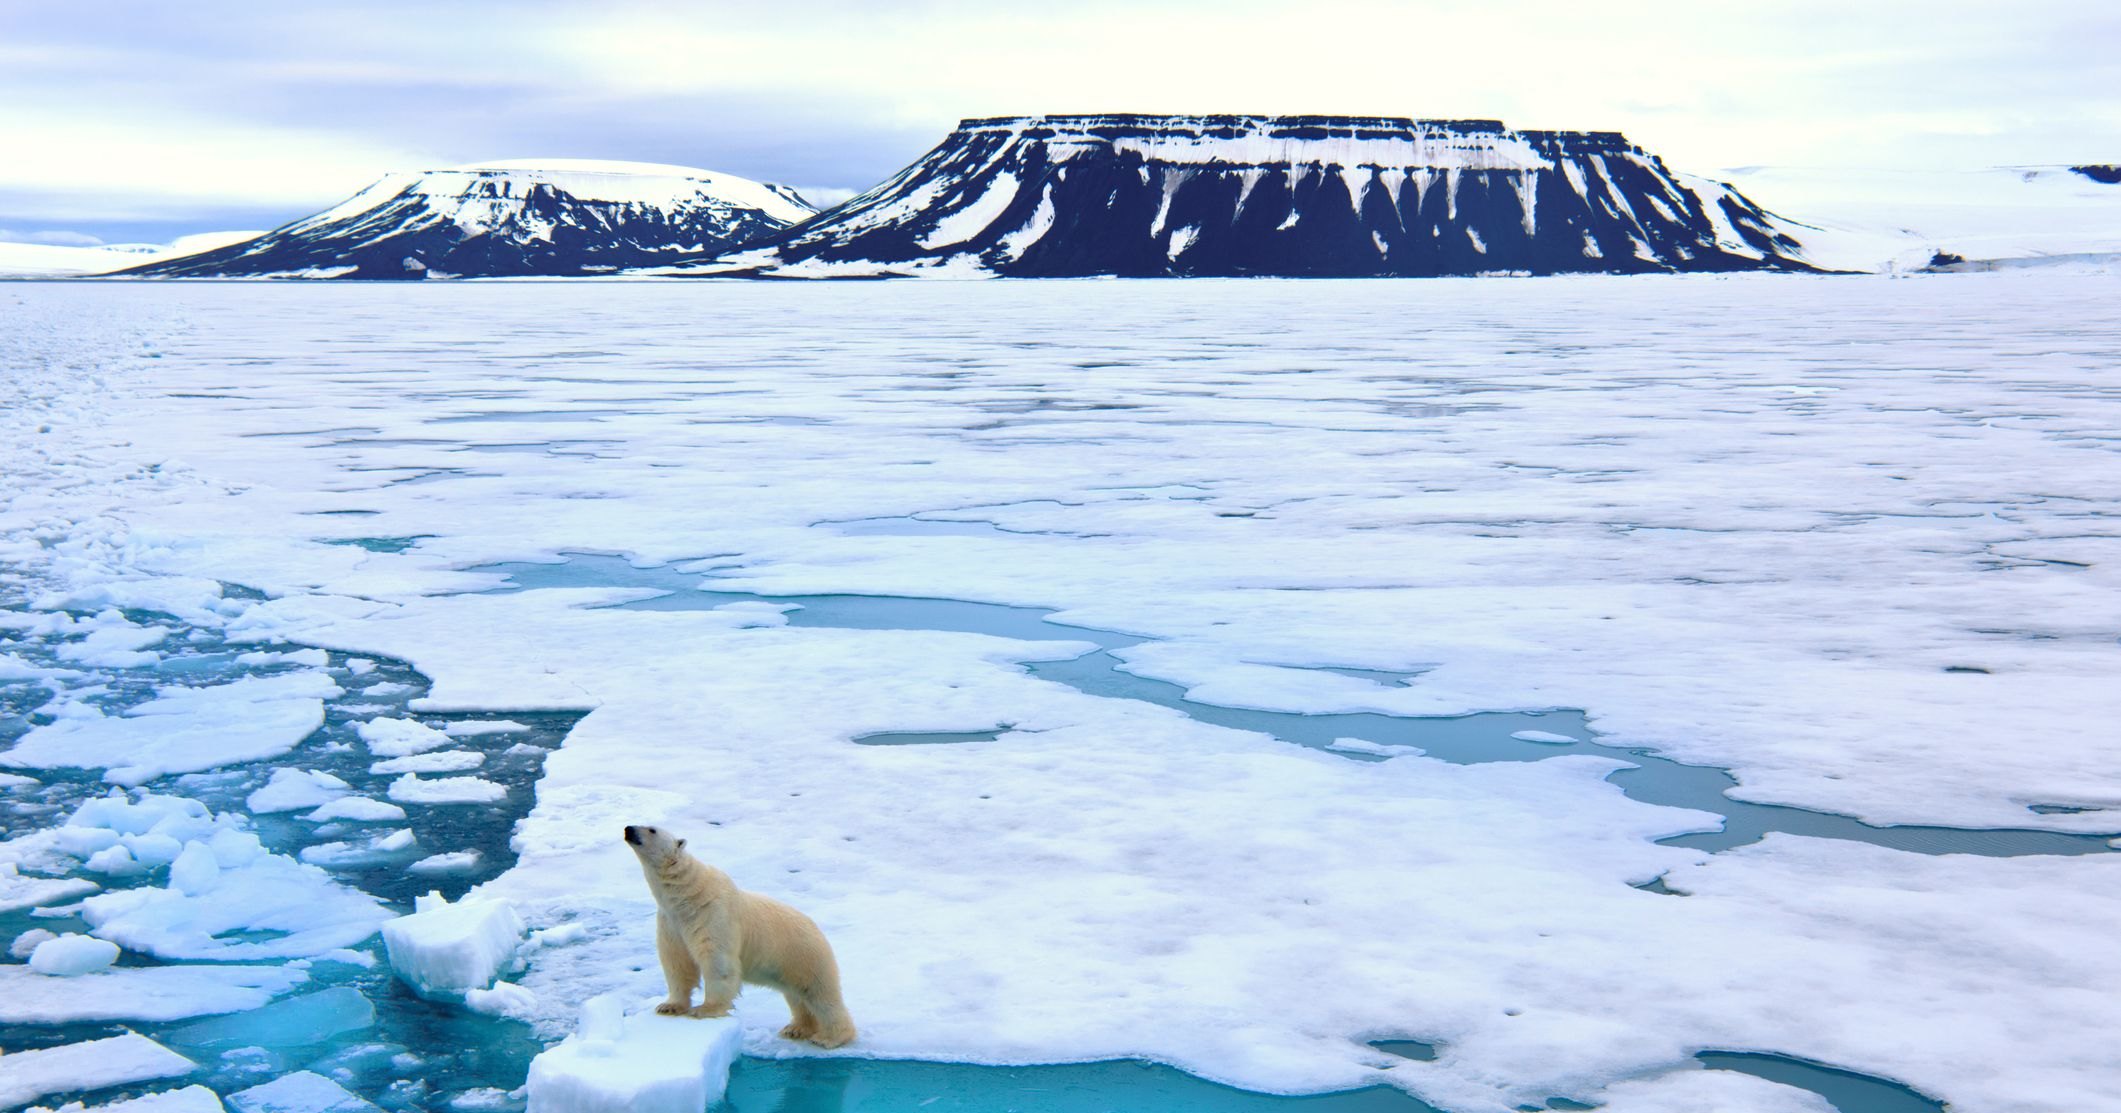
(679, 971)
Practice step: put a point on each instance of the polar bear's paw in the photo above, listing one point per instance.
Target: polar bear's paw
(798, 1030)
(673, 1008)
(705, 1012)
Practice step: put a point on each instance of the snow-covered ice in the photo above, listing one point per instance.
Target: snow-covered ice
(444, 949)
(28, 1075)
(294, 789)
(70, 955)
(182, 730)
(300, 1092)
(153, 993)
(190, 1099)
(635, 1063)
(414, 789)
(1850, 538)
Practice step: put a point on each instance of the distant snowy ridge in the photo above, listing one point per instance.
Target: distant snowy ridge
(1324, 196)
(44, 260)
(523, 217)
(1998, 218)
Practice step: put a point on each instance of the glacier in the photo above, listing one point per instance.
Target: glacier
(1846, 538)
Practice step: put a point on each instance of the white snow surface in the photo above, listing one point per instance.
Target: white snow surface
(442, 950)
(183, 730)
(638, 1063)
(190, 1099)
(72, 955)
(1749, 522)
(147, 993)
(300, 1092)
(90, 1065)
(1895, 220)
(38, 260)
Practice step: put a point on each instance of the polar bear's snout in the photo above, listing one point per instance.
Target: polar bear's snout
(633, 835)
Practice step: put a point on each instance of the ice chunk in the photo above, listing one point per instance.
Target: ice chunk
(183, 730)
(287, 908)
(17, 780)
(400, 737)
(444, 950)
(360, 809)
(315, 658)
(300, 1092)
(150, 993)
(437, 761)
(140, 813)
(28, 1075)
(375, 849)
(153, 849)
(504, 999)
(191, 1099)
(446, 790)
(71, 955)
(360, 666)
(195, 870)
(466, 728)
(18, 892)
(25, 944)
(1379, 749)
(296, 1022)
(1690, 1091)
(642, 1063)
(293, 789)
(116, 861)
(456, 861)
(1543, 736)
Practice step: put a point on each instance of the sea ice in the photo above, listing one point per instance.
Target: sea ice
(400, 737)
(455, 861)
(300, 1092)
(1542, 736)
(72, 955)
(642, 1063)
(465, 728)
(28, 1075)
(299, 909)
(361, 809)
(190, 1099)
(411, 789)
(437, 761)
(148, 993)
(183, 730)
(312, 1018)
(294, 789)
(442, 950)
(18, 891)
(504, 999)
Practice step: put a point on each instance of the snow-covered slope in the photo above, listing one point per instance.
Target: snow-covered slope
(41, 260)
(1898, 220)
(1275, 195)
(546, 217)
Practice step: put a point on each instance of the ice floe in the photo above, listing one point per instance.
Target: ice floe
(182, 730)
(149, 993)
(635, 1063)
(443, 949)
(28, 1075)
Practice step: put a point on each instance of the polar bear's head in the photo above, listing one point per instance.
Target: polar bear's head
(654, 845)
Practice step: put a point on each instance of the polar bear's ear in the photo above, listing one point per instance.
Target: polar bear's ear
(681, 844)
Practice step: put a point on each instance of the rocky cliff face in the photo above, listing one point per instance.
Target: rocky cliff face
(556, 217)
(1323, 196)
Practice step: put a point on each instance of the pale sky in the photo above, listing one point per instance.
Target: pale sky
(144, 120)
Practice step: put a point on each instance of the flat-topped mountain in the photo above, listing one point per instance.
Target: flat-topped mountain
(1324, 196)
(549, 217)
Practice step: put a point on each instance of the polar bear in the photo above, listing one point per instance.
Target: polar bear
(709, 931)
